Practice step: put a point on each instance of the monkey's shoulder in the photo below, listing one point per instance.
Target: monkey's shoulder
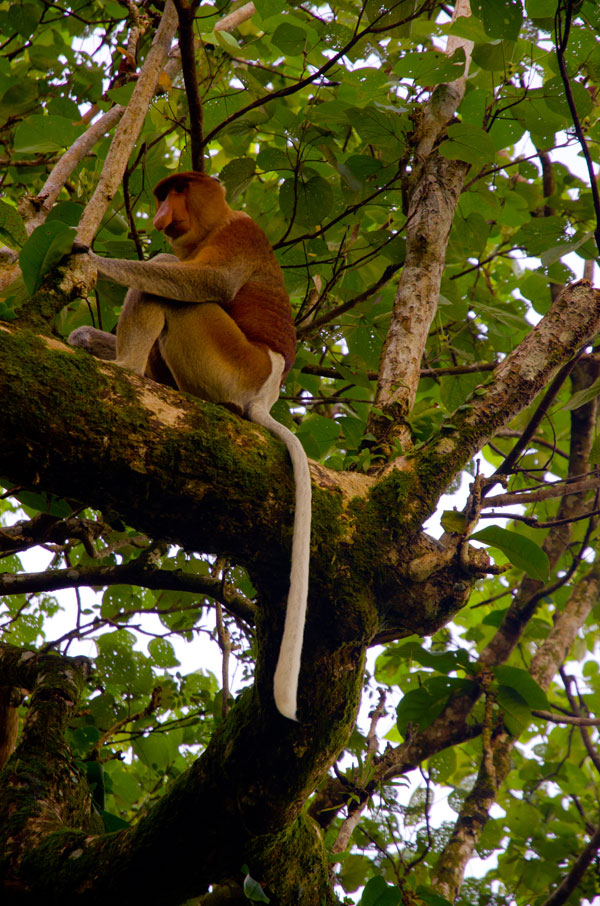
(242, 232)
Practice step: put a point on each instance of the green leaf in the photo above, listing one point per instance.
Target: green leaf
(273, 159)
(23, 18)
(253, 891)
(237, 175)
(540, 9)
(308, 202)
(69, 212)
(430, 68)
(522, 552)
(17, 99)
(492, 56)
(420, 707)
(12, 227)
(290, 39)
(113, 822)
(583, 396)
(595, 451)
(431, 898)
(354, 872)
(95, 778)
(226, 40)
(45, 503)
(120, 664)
(505, 131)
(163, 653)
(378, 127)
(554, 94)
(119, 599)
(7, 311)
(442, 661)
(469, 143)
(122, 782)
(43, 250)
(154, 751)
(540, 234)
(317, 435)
(45, 133)
(119, 640)
(268, 8)
(501, 18)
(122, 94)
(517, 715)
(353, 430)
(378, 892)
(453, 522)
(523, 683)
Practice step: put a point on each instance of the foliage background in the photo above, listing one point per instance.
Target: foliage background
(311, 117)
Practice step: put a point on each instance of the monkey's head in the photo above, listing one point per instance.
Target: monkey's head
(189, 206)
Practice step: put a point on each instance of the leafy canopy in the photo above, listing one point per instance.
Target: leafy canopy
(309, 113)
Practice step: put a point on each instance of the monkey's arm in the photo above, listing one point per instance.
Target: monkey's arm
(181, 282)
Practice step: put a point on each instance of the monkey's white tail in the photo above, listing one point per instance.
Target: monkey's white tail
(285, 683)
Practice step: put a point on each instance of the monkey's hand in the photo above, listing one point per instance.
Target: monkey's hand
(80, 272)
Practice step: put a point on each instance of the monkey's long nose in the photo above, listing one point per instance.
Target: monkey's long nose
(163, 216)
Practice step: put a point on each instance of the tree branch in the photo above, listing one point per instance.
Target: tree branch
(186, 12)
(132, 573)
(129, 127)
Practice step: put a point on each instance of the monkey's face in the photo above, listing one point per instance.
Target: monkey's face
(172, 215)
(189, 207)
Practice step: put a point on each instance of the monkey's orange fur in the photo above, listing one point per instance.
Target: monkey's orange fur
(215, 321)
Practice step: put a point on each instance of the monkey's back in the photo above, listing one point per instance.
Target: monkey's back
(264, 315)
(261, 308)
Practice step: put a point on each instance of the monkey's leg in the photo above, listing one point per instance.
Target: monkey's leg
(210, 357)
(140, 325)
(99, 343)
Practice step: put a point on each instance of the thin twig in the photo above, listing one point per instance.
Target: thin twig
(561, 40)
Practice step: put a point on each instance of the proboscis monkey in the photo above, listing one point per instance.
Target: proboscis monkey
(215, 320)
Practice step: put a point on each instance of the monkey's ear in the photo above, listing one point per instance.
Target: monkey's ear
(79, 248)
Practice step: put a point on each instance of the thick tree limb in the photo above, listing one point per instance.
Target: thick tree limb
(434, 190)
(571, 322)
(193, 474)
(67, 163)
(235, 18)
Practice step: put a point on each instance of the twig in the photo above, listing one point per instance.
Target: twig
(570, 882)
(506, 467)
(538, 523)
(334, 374)
(145, 712)
(555, 489)
(355, 811)
(223, 638)
(561, 40)
(568, 719)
